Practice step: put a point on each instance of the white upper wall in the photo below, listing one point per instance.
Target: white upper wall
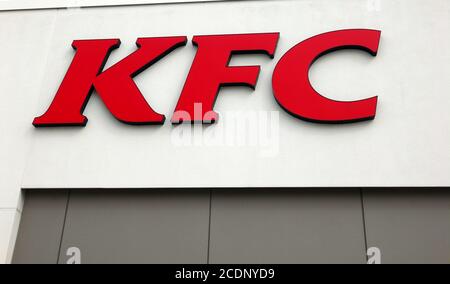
(406, 145)
(49, 4)
(25, 39)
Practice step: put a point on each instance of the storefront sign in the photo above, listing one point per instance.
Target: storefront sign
(209, 72)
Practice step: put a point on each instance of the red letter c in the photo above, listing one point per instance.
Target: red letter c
(294, 92)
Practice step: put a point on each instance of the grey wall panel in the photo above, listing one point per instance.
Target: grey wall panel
(138, 226)
(409, 226)
(41, 226)
(247, 226)
(287, 226)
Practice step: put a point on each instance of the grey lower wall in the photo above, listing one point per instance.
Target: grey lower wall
(409, 226)
(287, 226)
(235, 226)
(41, 226)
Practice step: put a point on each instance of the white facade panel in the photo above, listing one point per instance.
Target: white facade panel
(10, 5)
(9, 223)
(23, 55)
(406, 144)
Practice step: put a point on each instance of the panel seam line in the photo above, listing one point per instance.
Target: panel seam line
(364, 223)
(209, 227)
(63, 227)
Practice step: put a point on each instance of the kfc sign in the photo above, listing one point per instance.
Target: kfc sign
(209, 72)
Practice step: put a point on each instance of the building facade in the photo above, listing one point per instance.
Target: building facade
(359, 166)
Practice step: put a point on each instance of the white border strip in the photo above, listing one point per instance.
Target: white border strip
(11, 5)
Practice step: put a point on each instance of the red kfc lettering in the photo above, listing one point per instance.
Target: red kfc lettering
(210, 71)
(294, 93)
(115, 85)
